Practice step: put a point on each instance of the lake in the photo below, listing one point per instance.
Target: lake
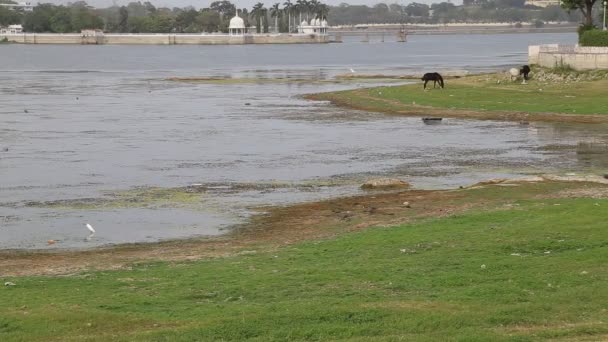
(77, 122)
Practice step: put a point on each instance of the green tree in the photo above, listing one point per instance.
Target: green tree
(83, 18)
(39, 19)
(9, 17)
(208, 20)
(184, 22)
(224, 8)
(61, 21)
(123, 19)
(417, 10)
(585, 6)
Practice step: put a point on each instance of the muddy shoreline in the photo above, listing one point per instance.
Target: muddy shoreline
(275, 227)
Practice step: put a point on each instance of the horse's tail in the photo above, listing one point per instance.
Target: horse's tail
(440, 80)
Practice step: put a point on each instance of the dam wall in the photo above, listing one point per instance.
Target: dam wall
(165, 39)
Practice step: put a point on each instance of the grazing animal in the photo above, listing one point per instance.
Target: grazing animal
(432, 76)
(525, 70)
(515, 73)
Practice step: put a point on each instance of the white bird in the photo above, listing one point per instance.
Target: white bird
(92, 230)
(352, 70)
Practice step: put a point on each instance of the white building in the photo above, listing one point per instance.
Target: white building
(11, 29)
(316, 26)
(543, 3)
(237, 26)
(26, 6)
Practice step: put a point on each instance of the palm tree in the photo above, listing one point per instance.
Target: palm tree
(301, 5)
(275, 12)
(312, 7)
(288, 7)
(322, 11)
(257, 12)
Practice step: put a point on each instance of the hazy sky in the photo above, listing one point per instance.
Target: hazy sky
(238, 3)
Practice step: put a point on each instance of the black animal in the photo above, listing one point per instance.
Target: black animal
(432, 76)
(525, 70)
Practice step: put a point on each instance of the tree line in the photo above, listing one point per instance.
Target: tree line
(138, 17)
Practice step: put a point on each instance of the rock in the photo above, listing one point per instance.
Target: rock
(8, 283)
(51, 242)
(384, 183)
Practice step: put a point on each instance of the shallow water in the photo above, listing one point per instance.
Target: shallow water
(82, 120)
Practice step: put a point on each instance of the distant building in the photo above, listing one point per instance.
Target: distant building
(11, 29)
(237, 26)
(316, 26)
(24, 6)
(543, 3)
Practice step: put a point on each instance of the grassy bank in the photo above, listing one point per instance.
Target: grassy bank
(491, 96)
(527, 264)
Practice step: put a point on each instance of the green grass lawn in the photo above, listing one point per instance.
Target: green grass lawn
(482, 93)
(418, 282)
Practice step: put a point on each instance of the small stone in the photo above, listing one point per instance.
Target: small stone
(483, 267)
(407, 204)
(584, 272)
(547, 252)
(51, 242)
(8, 283)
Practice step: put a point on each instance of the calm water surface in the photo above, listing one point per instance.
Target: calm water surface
(78, 121)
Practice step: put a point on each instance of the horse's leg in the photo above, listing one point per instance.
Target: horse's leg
(425, 81)
(434, 83)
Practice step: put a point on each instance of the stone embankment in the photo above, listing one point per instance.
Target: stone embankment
(165, 39)
(571, 56)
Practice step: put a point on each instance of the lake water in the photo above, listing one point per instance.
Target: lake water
(78, 121)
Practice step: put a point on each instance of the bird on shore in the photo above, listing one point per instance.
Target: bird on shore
(352, 70)
(92, 230)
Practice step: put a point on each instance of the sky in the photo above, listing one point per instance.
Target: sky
(238, 3)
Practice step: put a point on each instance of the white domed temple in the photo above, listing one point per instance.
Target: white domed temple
(237, 26)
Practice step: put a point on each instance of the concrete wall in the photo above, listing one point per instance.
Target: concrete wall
(577, 57)
(166, 39)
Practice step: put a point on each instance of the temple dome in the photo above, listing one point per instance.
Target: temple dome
(237, 23)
